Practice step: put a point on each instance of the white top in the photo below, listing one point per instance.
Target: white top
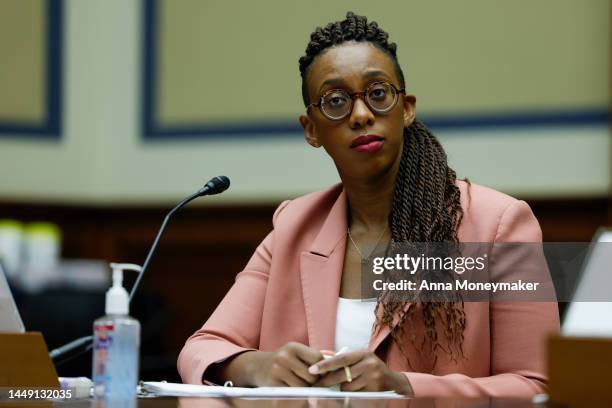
(354, 322)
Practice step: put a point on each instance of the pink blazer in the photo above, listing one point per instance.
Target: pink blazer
(289, 292)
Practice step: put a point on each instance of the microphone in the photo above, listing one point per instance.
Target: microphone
(215, 185)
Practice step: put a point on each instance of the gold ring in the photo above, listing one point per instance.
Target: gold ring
(349, 376)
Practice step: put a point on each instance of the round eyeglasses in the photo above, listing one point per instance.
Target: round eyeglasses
(337, 104)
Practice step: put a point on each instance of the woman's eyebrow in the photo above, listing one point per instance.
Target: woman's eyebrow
(330, 81)
(375, 73)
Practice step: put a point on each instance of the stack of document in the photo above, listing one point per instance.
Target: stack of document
(164, 389)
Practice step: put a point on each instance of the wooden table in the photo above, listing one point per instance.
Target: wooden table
(289, 403)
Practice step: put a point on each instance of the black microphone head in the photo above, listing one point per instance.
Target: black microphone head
(216, 185)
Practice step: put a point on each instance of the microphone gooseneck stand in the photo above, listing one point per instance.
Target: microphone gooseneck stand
(216, 185)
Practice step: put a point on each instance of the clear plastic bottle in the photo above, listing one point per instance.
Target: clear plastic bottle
(116, 343)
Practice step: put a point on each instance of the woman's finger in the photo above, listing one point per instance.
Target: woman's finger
(339, 376)
(289, 378)
(358, 369)
(299, 368)
(338, 361)
(307, 354)
(329, 379)
(358, 384)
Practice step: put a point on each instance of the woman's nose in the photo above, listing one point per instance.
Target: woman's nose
(361, 115)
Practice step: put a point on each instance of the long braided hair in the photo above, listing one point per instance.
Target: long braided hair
(426, 204)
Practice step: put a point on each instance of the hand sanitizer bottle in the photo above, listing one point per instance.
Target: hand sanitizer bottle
(116, 343)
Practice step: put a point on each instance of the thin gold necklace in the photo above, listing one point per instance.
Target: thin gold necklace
(363, 258)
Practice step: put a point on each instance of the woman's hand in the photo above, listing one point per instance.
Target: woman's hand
(288, 366)
(369, 373)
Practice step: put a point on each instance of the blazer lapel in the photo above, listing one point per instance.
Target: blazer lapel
(321, 272)
(382, 332)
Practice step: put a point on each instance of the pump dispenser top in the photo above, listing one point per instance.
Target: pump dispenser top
(117, 298)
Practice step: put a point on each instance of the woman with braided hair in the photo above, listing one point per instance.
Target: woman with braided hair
(300, 294)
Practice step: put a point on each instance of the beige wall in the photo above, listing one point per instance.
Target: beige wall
(238, 59)
(23, 50)
(102, 158)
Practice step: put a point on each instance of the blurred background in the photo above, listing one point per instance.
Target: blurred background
(113, 111)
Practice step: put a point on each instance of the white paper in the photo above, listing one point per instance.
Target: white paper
(163, 389)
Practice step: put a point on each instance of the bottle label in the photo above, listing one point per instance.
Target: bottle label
(103, 340)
